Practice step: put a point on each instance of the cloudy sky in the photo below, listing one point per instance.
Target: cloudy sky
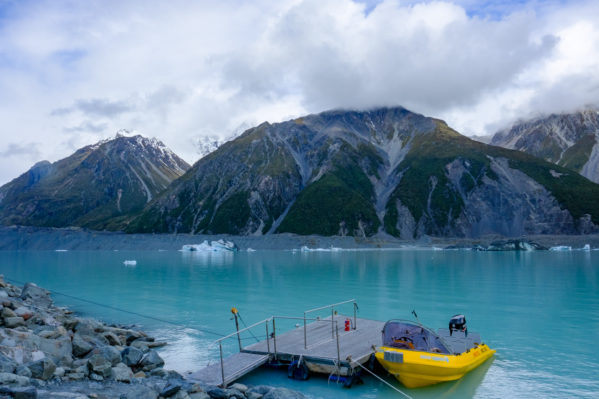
(75, 72)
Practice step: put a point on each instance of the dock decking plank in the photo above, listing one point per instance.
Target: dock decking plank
(235, 367)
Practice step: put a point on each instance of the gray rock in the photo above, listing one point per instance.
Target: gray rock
(96, 377)
(9, 378)
(59, 349)
(122, 373)
(234, 393)
(131, 356)
(88, 327)
(140, 391)
(42, 369)
(14, 322)
(141, 345)
(260, 389)
(23, 370)
(283, 393)
(24, 312)
(75, 376)
(80, 346)
(218, 393)
(110, 353)
(170, 389)
(8, 312)
(7, 365)
(59, 372)
(253, 395)
(22, 392)
(201, 395)
(240, 387)
(38, 295)
(181, 395)
(113, 339)
(99, 365)
(151, 361)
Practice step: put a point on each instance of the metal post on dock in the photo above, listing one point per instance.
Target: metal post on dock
(338, 354)
(234, 311)
(222, 364)
(305, 336)
(355, 318)
(267, 338)
(274, 336)
(332, 322)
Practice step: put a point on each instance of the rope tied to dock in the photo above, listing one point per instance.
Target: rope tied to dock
(351, 362)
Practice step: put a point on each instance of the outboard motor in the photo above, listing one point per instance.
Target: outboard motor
(458, 323)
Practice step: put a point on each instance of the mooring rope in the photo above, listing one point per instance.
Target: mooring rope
(382, 380)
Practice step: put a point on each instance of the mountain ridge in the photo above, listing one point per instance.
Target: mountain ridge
(364, 172)
(108, 179)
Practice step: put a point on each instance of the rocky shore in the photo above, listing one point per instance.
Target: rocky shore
(48, 352)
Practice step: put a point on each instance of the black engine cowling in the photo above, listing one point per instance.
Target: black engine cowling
(458, 323)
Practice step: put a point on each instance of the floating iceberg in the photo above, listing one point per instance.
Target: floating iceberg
(61, 250)
(561, 248)
(331, 249)
(251, 250)
(213, 246)
(586, 247)
(130, 263)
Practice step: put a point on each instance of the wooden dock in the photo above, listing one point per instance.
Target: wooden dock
(321, 344)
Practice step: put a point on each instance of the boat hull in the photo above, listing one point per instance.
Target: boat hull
(416, 369)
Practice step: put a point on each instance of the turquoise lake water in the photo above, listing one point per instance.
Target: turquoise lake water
(540, 310)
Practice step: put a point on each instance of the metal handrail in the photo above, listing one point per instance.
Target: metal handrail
(332, 306)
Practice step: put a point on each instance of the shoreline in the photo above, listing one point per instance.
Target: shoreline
(14, 238)
(48, 352)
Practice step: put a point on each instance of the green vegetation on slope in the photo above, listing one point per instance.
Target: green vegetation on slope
(424, 181)
(578, 155)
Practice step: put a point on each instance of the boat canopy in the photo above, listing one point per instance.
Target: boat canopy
(404, 334)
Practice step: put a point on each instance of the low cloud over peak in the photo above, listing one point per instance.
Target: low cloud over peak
(74, 73)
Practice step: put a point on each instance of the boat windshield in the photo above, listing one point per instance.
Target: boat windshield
(407, 335)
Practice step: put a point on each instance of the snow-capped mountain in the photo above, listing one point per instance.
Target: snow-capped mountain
(98, 182)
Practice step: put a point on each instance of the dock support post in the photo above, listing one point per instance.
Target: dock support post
(355, 318)
(237, 328)
(222, 364)
(305, 337)
(274, 336)
(267, 337)
(338, 354)
(332, 322)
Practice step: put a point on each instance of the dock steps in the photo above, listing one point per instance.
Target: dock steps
(235, 367)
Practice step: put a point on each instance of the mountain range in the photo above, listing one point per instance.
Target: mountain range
(95, 187)
(568, 139)
(344, 172)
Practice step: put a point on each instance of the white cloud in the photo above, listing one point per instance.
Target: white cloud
(72, 73)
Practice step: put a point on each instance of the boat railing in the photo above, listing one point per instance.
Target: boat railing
(332, 307)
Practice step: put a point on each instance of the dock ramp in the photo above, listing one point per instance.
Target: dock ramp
(233, 368)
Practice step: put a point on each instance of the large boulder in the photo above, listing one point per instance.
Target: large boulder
(122, 373)
(131, 356)
(99, 365)
(151, 360)
(80, 346)
(7, 365)
(14, 322)
(10, 379)
(42, 369)
(35, 294)
(59, 349)
(112, 354)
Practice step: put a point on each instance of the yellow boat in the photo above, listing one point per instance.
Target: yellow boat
(418, 357)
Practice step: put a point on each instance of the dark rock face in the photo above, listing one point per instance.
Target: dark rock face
(570, 140)
(98, 182)
(42, 369)
(360, 173)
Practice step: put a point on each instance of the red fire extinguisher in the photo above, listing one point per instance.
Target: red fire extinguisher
(347, 324)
